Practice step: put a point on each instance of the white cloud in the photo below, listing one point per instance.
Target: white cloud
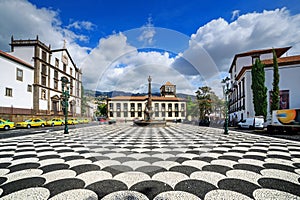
(235, 14)
(148, 33)
(222, 40)
(101, 58)
(82, 25)
(33, 21)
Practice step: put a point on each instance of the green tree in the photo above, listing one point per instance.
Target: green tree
(191, 107)
(275, 92)
(101, 110)
(259, 89)
(204, 101)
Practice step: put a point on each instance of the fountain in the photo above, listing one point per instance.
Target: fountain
(149, 121)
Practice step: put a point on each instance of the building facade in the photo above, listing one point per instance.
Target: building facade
(241, 98)
(165, 107)
(31, 79)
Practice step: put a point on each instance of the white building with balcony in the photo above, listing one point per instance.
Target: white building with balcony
(165, 107)
(241, 98)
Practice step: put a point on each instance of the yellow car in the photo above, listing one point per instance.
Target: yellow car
(55, 122)
(72, 121)
(80, 121)
(86, 121)
(6, 125)
(32, 122)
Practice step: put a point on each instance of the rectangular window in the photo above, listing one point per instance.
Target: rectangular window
(163, 114)
(132, 107)
(118, 106)
(176, 114)
(125, 114)
(44, 56)
(111, 106)
(55, 84)
(156, 114)
(163, 107)
(56, 62)
(125, 105)
(156, 106)
(56, 74)
(29, 88)
(139, 114)
(19, 74)
(44, 69)
(111, 114)
(43, 94)
(65, 67)
(182, 107)
(139, 107)
(169, 107)
(132, 114)
(44, 80)
(182, 114)
(71, 71)
(176, 107)
(8, 92)
(118, 114)
(169, 114)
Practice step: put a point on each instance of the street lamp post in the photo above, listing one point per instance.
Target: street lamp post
(65, 102)
(226, 91)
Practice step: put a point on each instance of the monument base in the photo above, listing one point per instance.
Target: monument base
(151, 123)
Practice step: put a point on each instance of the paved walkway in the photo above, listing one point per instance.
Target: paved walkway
(125, 162)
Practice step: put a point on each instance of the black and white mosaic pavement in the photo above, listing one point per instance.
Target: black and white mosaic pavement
(120, 161)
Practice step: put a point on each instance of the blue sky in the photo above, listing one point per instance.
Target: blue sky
(183, 16)
(118, 44)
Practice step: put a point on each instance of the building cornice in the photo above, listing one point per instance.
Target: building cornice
(279, 53)
(282, 62)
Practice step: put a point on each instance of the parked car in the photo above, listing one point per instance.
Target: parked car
(103, 121)
(80, 121)
(6, 124)
(55, 122)
(86, 121)
(72, 121)
(253, 122)
(112, 121)
(32, 122)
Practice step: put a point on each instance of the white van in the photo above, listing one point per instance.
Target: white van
(248, 123)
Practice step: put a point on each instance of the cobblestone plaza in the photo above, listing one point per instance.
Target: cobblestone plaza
(122, 161)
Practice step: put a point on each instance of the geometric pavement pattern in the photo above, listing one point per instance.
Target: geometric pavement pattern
(122, 161)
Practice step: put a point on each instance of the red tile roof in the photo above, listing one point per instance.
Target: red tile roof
(15, 59)
(168, 83)
(290, 60)
(284, 61)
